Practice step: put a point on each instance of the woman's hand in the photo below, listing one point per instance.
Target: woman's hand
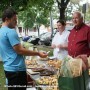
(53, 46)
(60, 46)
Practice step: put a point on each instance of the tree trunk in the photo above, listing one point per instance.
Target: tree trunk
(62, 6)
(62, 14)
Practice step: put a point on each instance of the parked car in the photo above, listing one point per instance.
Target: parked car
(25, 38)
(46, 38)
(34, 40)
(43, 39)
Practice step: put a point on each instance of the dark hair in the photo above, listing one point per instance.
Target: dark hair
(8, 13)
(62, 22)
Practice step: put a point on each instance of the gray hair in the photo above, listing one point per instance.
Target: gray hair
(79, 13)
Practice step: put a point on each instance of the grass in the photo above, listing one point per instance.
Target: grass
(2, 77)
(39, 47)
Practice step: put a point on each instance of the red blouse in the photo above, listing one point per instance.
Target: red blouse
(79, 41)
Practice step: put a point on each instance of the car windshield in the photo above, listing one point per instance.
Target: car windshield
(45, 35)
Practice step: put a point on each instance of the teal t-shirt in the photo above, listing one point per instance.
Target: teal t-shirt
(12, 61)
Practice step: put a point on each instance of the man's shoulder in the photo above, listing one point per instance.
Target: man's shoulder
(87, 27)
(6, 28)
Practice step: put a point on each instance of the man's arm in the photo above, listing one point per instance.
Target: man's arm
(85, 61)
(21, 50)
(62, 46)
(88, 38)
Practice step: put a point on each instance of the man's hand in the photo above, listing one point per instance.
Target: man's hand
(43, 54)
(85, 61)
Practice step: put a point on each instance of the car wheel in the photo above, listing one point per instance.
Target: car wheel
(47, 44)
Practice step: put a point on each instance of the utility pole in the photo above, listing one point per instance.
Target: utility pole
(51, 23)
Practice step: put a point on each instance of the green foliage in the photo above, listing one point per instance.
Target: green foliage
(16, 4)
(37, 12)
(69, 10)
(74, 1)
(87, 15)
(33, 12)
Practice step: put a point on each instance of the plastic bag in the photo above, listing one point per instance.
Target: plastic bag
(65, 69)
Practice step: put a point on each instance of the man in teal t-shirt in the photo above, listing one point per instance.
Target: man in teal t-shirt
(12, 61)
(12, 52)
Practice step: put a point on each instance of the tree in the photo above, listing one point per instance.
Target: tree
(70, 9)
(36, 13)
(62, 5)
(87, 16)
(16, 4)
